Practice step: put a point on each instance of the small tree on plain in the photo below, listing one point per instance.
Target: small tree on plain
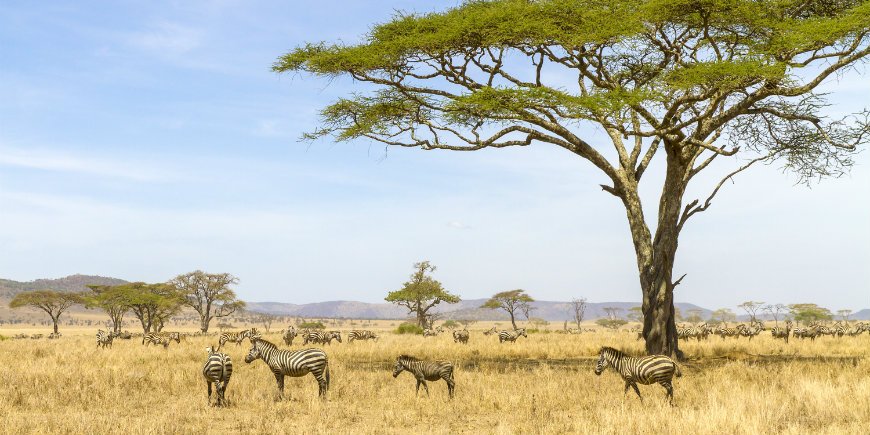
(511, 301)
(421, 293)
(209, 294)
(776, 311)
(751, 307)
(578, 308)
(54, 303)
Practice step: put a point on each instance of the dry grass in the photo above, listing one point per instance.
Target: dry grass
(541, 385)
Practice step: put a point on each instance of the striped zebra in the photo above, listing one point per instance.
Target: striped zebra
(289, 335)
(237, 337)
(291, 363)
(217, 370)
(361, 335)
(511, 336)
(490, 331)
(104, 338)
(162, 338)
(426, 371)
(460, 336)
(320, 337)
(644, 370)
(780, 332)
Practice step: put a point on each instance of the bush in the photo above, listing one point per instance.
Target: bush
(312, 325)
(409, 328)
(451, 324)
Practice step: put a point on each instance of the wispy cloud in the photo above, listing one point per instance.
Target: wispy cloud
(59, 161)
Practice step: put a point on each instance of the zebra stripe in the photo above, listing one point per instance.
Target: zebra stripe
(291, 363)
(289, 335)
(104, 339)
(361, 335)
(511, 336)
(645, 370)
(320, 337)
(162, 338)
(217, 370)
(490, 331)
(460, 336)
(426, 371)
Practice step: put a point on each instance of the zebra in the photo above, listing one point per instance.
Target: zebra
(490, 331)
(54, 335)
(237, 337)
(426, 371)
(751, 331)
(104, 338)
(460, 336)
(291, 363)
(780, 332)
(430, 332)
(511, 336)
(289, 335)
(218, 369)
(161, 338)
(320, 337)
(361, 335)
(645, 370)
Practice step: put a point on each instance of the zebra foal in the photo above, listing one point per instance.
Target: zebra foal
(426, 371)
(237, 337)
(644, 370)
(511, 336)
(361, 335)
(217, 370)
(291, 363)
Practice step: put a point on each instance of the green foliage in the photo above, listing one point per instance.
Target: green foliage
(209, 294)
(611, 323)
(723, 315)
(312, 325)
(808, 313)
(421, 293)
(451, 324)
(409, 328)
(635, 314)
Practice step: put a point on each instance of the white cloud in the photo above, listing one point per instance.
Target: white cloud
(59, 161)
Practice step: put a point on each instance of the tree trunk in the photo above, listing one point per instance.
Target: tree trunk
(512, 320)
(421, 319)
(54, 320)
(203, 325)
(655, 258)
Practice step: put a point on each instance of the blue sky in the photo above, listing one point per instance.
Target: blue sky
(146, 139)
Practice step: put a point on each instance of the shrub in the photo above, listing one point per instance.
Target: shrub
(312, 325)
(409, 328)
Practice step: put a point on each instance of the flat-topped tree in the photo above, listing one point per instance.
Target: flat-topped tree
(421, 293)
(113, 299)
(209, 294)
(54, 303)
(512, 301)
(686, 82)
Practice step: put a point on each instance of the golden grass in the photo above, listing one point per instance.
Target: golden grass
(541, 385)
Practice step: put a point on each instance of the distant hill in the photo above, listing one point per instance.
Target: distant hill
(72, 283)
(861, 315)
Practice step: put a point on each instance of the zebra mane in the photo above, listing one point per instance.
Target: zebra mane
(267, 344)
(612, 351)
(408, 358)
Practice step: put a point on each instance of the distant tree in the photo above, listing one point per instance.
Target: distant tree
(751, 307)
(695, 316)
(538, 322)
(612, 312)
(451, 324)
(808, 313)
(723, 315)
(421, 293)
(112, 299)
(526, 308)
(776, 311)
(635, 314)
(511, 301)
(578, 308)
(266, 320)
(611, 323)
(467, 322)
(54, 303)
(844, 314)
(209, 294)
(152, 304)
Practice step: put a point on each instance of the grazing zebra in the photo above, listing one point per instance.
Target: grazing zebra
(104, 338)
(361, 335)
(35, 336)
(125, 335)
(751, 331)
(645, 370)
(430, 332)
(426, 371)
(161, 338)
(490, 331)
(237, 337)
(291, 363)
(460, 336)
(320, 337)
(54, 335)
(217, 370)
(780, 332)
(511, 336)
(289, 335)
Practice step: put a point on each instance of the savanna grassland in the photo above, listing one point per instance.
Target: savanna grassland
(543, 384)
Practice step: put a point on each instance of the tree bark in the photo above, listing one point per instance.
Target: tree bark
(655, 256)
(512, 320)
(54, 320)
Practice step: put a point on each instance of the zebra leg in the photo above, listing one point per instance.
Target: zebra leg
(670, 392)
(450, 385)
(279, 378)
(627, 386)
(633, 385)
(209, 391)
(426, 387)
(418, 388)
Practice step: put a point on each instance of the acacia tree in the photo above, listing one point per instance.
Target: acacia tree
(578, 307)
(688, 83)
(152, 304)
(511, 301)
(775, 311)
(421, 293)
(209, 294)
(808, 313)
(751, 308)
(111, 299)
(54, 303)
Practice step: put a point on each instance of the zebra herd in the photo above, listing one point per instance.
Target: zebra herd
(811, 331)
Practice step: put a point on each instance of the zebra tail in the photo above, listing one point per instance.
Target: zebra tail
(327, 375)
(677, 371)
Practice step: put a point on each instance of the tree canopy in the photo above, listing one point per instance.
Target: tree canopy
(511, 301)
(808, 313)
(421, 293)
(687, 82)
(152, 304)
(208, 294)
(114, 300)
